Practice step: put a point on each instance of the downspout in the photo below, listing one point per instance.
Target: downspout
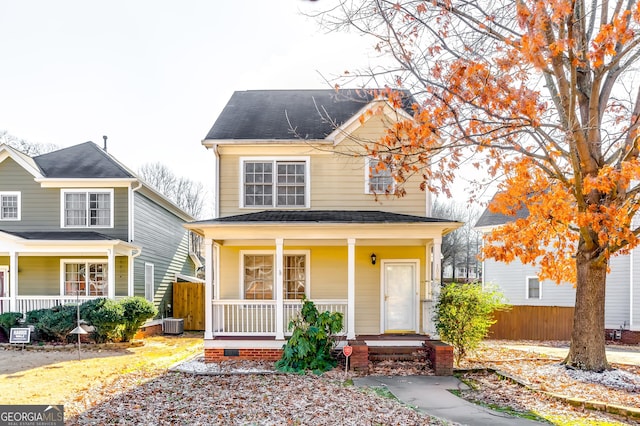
(130, 277)
(131, 211)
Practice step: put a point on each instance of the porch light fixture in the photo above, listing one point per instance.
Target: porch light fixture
(373, 258)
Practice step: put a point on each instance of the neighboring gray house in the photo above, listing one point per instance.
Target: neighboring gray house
(521, 286)
(76, 223)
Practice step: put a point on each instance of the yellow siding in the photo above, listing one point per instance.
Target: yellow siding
(337, 176)
(328, 276)
(4, 260)
(122, 278)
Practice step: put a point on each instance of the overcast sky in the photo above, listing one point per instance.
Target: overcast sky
(153, 75)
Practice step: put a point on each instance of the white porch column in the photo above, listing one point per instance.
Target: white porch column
(13, 281)
(208, 288)
(130, 275)
(279, 260)
(351, 288)
(111, 274)
(437, 260)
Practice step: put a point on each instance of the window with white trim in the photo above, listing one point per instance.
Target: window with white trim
(149, 279)
(534, 288)
(9, 206)
(275, 183)
(378, 177)
(87, 209)
(85, 278)
(258, 279)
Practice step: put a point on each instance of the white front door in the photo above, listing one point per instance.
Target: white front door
(399, 296)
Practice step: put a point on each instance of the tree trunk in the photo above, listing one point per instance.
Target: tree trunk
(587, 351)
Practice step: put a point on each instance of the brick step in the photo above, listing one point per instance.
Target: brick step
(394, 357)
(395, 349)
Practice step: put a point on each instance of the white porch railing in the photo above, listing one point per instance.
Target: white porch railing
(5, 304)
(25, 304)
(258, 317)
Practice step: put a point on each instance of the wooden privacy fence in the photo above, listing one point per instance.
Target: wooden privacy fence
(188, 303)
(533, 323)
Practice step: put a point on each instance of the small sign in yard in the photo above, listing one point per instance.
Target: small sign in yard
(347, 351)
(20, 335)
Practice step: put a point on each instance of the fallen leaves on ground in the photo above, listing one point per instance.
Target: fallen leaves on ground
(181, 398)
(620, 386)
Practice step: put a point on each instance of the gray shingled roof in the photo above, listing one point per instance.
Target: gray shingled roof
(271, 114)
(61, 236)
(488, 218)
(85, 160)
(324, 216)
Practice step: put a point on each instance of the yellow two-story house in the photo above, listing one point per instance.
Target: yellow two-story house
(300, 211)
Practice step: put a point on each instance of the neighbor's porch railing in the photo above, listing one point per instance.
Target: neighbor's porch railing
(258, 317)
(25, 304)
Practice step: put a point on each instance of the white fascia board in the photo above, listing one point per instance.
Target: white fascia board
(209, 143)
(85, 183)
(22, 159)
(352, 124)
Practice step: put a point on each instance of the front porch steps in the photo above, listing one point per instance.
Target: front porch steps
(397, 353)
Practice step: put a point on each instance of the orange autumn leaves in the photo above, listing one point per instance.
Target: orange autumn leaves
(531, 99)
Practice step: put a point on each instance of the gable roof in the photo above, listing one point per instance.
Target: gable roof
(83, 161)
(272, 114)
(323, 216)
(21, 158)
(489, 219)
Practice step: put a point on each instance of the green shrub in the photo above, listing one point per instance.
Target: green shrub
(106, 317)
(33, 317)
(55, 324)
(464, 314)
(136, 310)
(309, 348)
(9, 320)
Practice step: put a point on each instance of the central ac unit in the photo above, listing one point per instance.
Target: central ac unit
(173, 326)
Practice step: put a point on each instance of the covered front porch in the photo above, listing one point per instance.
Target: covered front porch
(45, 269)
(378, 269)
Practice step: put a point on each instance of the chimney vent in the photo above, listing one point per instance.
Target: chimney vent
(105, 143)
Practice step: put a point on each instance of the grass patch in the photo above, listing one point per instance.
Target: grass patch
(529, 415)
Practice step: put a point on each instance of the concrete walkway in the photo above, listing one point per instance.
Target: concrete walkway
(431, 395)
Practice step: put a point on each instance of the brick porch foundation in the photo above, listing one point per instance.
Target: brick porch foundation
(441, 357)
(627, 337)
(359, 359)
(217, 355)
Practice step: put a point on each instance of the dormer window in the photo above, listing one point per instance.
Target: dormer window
(9, 206)
(378, 178)
(87, 208)
(275, 183)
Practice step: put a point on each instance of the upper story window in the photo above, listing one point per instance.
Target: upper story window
(9, 206)
(534, 288)
(275, 183)
(87, 208)
(378, 178)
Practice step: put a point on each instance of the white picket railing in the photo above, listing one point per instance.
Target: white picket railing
(25, 304)
(258, 317)
(5, 304)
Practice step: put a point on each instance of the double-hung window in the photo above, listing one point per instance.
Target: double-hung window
(378, 177)
(84, 278)
(87, 208)
(534, 288)
(275, 183)
(9, 206)
(258, 275)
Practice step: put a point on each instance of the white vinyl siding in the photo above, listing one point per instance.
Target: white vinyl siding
(274, 182)
(87, 208)
(10, 206)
